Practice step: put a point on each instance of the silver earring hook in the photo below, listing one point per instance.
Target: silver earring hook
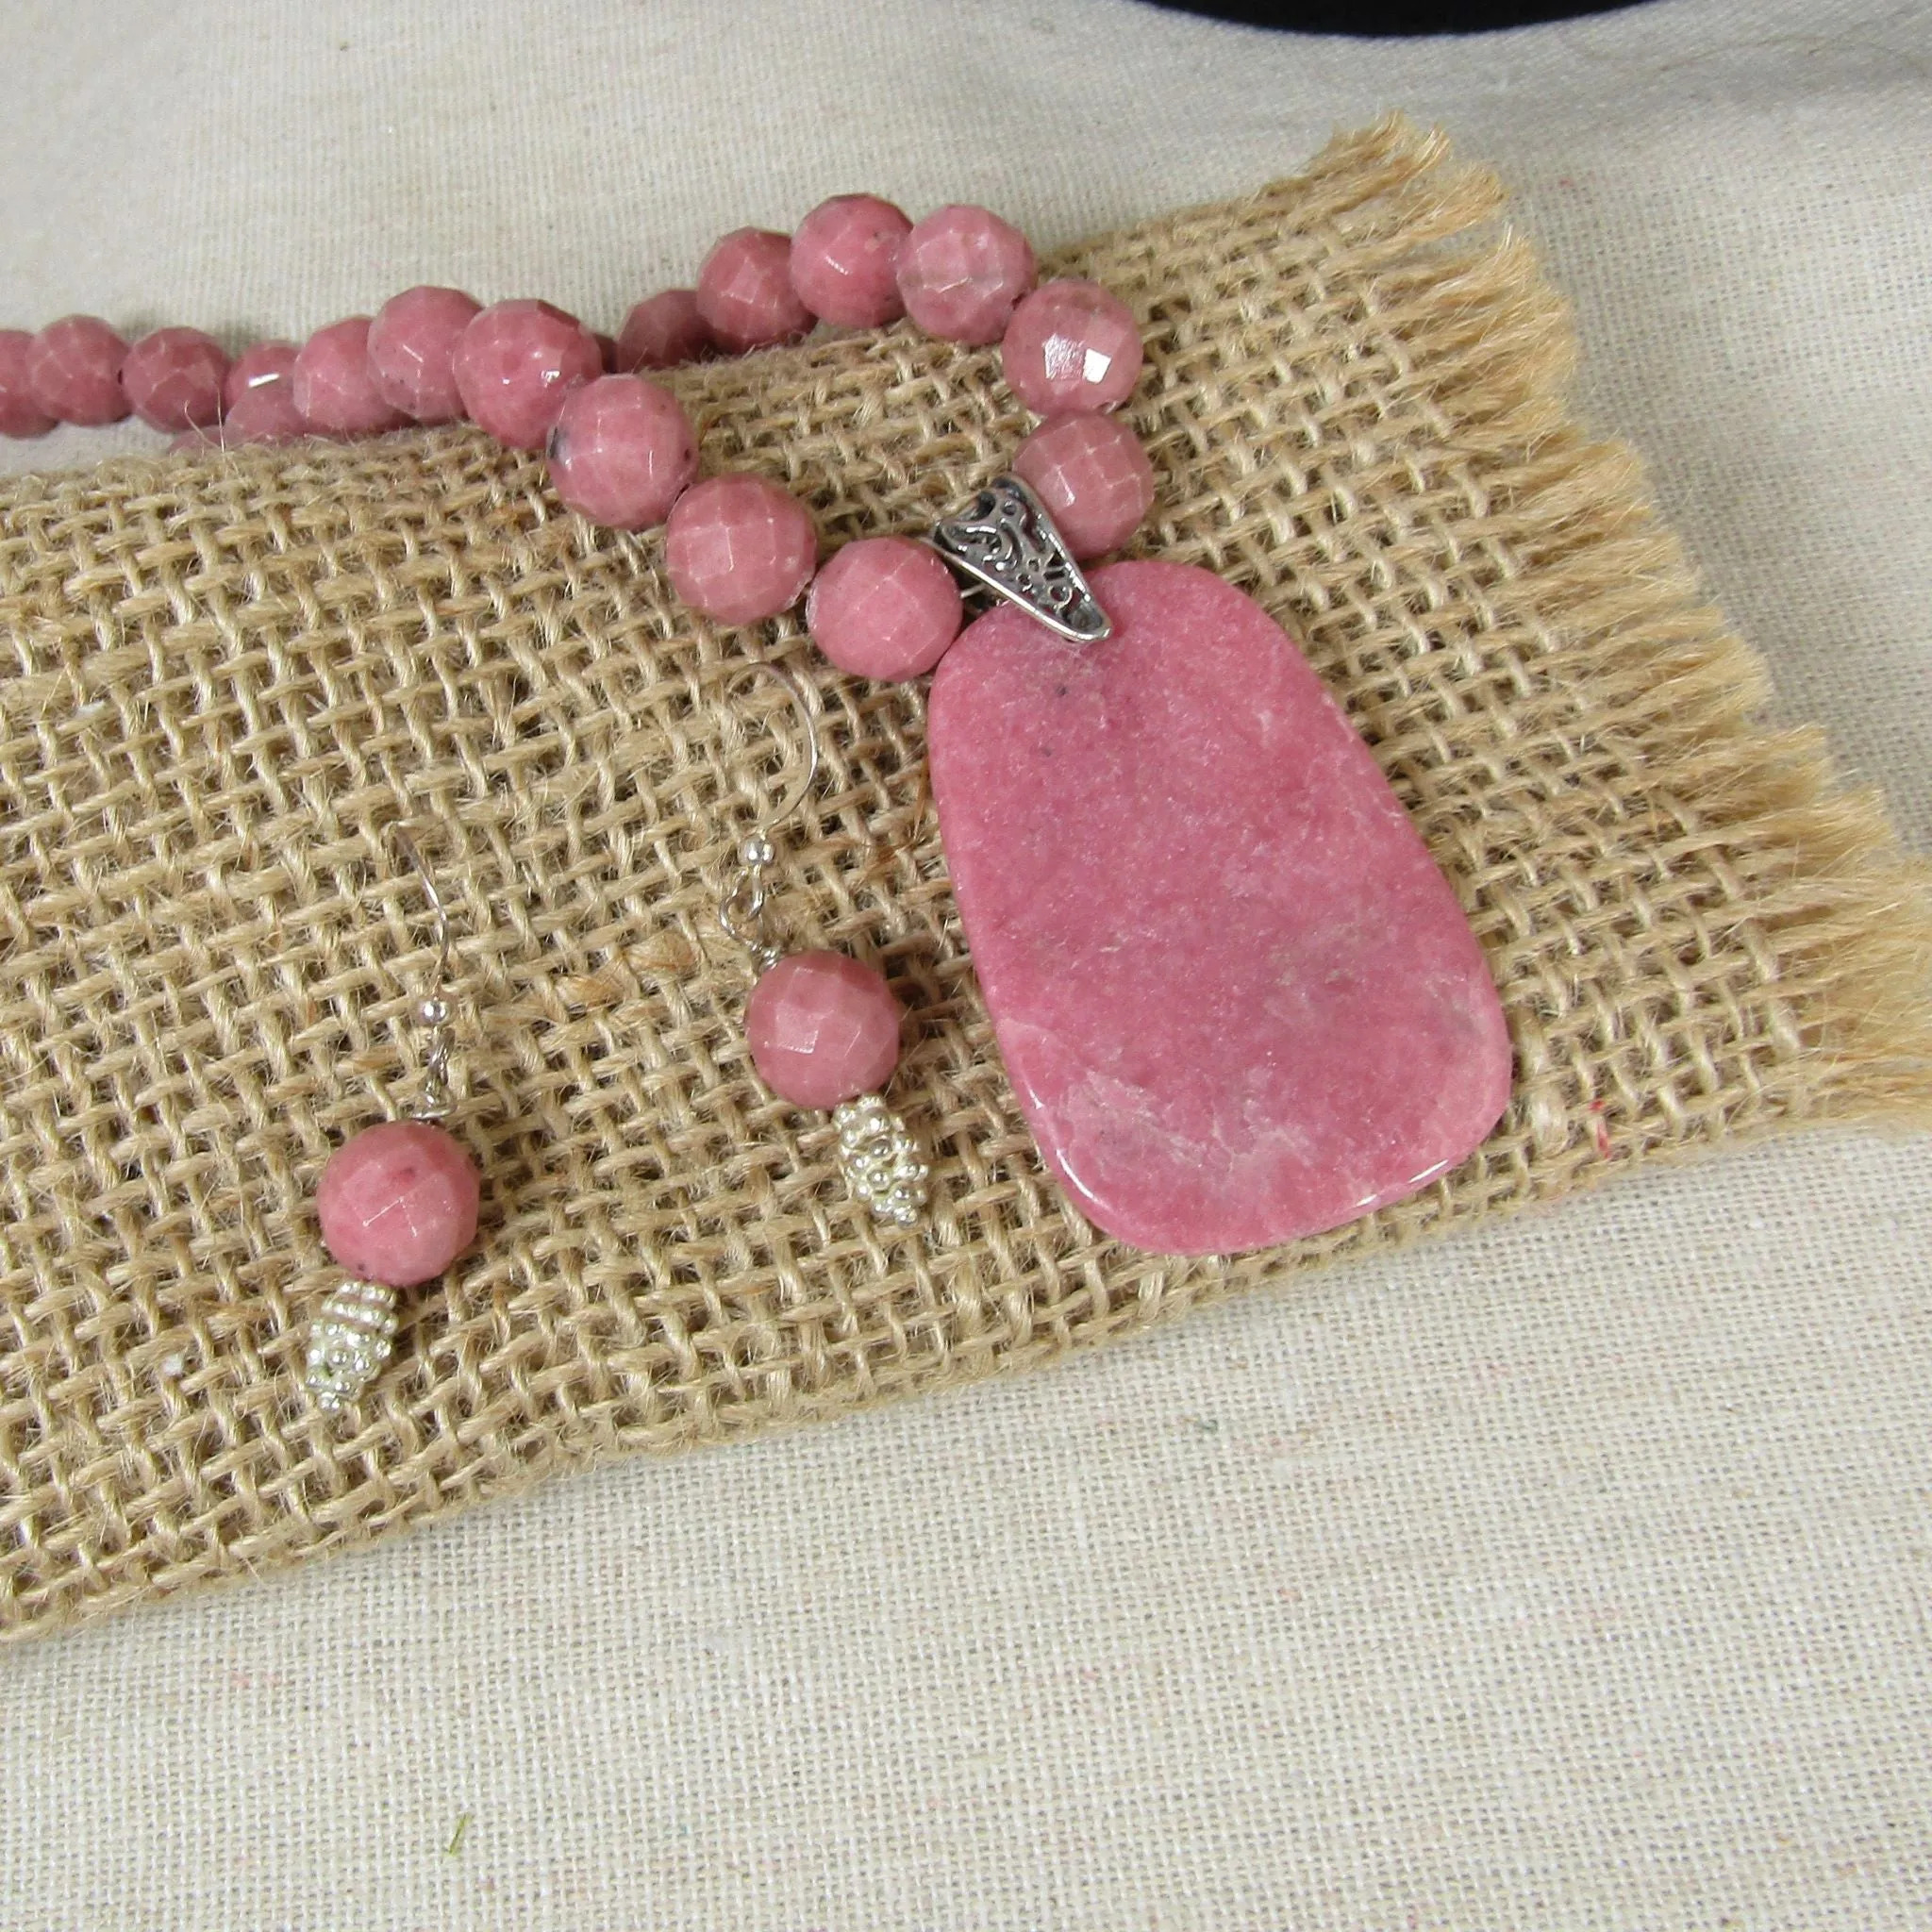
(741, 910)
(432, 1011)
(405, 840)
(801, 790)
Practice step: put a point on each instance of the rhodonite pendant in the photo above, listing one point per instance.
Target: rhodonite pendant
(1236, 999)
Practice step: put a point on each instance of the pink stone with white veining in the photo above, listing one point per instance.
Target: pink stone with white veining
(74, 371)
(1236, 1001)
(745, 295)
(20, 414)
(664, 331)
(412, 351)
(823, 1027)
(884, 607)
(1093, 476)
(1071, 345)
(172, 377)
(259, 393)
(844, 261)
(623, 452)
(740, 548)
(515, 364)
(334, 389)
(398, 1203)
(961, 271)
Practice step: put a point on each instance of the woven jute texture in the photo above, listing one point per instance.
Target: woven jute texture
(225, 676)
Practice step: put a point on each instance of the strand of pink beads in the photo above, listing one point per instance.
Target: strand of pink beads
(738, 549)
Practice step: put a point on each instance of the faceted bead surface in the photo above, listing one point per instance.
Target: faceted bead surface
(74, 371)
(1236, 1001)
(961, 272)
(740, 549)
(334, 389)
(20, 414)
(884, 607)
(1093, 477)
(745, 295)
(823, 1028)
(259, 366)
(1071, 345)
(172, 377)
(623, 452)
(260, 396)
(664, 331)
(846, 260)
(399, 1202)
(412, 351)
(264, 416)
(516, 363)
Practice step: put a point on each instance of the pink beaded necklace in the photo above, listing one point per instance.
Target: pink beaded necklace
(1236, 1001)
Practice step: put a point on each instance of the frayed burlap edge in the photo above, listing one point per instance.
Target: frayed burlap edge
(226, 675)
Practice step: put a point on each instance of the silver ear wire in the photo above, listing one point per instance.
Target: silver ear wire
(433, 1011)
(742, 909)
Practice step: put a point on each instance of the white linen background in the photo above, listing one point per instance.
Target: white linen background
(1568, 1573)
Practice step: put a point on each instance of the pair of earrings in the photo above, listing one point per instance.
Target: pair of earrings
(398, 1202)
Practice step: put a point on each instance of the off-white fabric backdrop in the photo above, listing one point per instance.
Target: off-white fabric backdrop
(1574, 1572)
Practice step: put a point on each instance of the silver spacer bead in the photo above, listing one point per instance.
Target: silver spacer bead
(349, 1341)
(880, 1161)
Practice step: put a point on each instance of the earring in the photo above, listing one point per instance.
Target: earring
(823, 1026)
(397, 1203)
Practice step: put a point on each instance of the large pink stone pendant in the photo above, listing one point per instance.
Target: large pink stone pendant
(1236, 1001)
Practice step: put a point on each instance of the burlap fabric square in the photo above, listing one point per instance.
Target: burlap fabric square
(226, 675)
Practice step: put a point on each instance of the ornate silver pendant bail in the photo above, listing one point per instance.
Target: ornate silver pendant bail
(1005, 541)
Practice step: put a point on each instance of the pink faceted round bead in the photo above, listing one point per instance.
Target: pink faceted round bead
(334, 389)
(884, 607)
(398, 1203)
(413, 350)
(174, 378)
(623, 452)
(961, 271)
(516, 363)
(823, 1028)
(846, 260)
(261, 365)
(19, 415)
(1093, 477)
(265, 415)
(745, 295)
(258, 395)
(74, 371)
(664, 331)
(740, 549)
(1071, 345)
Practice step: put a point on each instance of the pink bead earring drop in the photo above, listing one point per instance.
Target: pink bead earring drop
(823, 1026)
(397, 1203)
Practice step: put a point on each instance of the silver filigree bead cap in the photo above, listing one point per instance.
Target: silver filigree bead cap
(880, 1161)
(349, 1341)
